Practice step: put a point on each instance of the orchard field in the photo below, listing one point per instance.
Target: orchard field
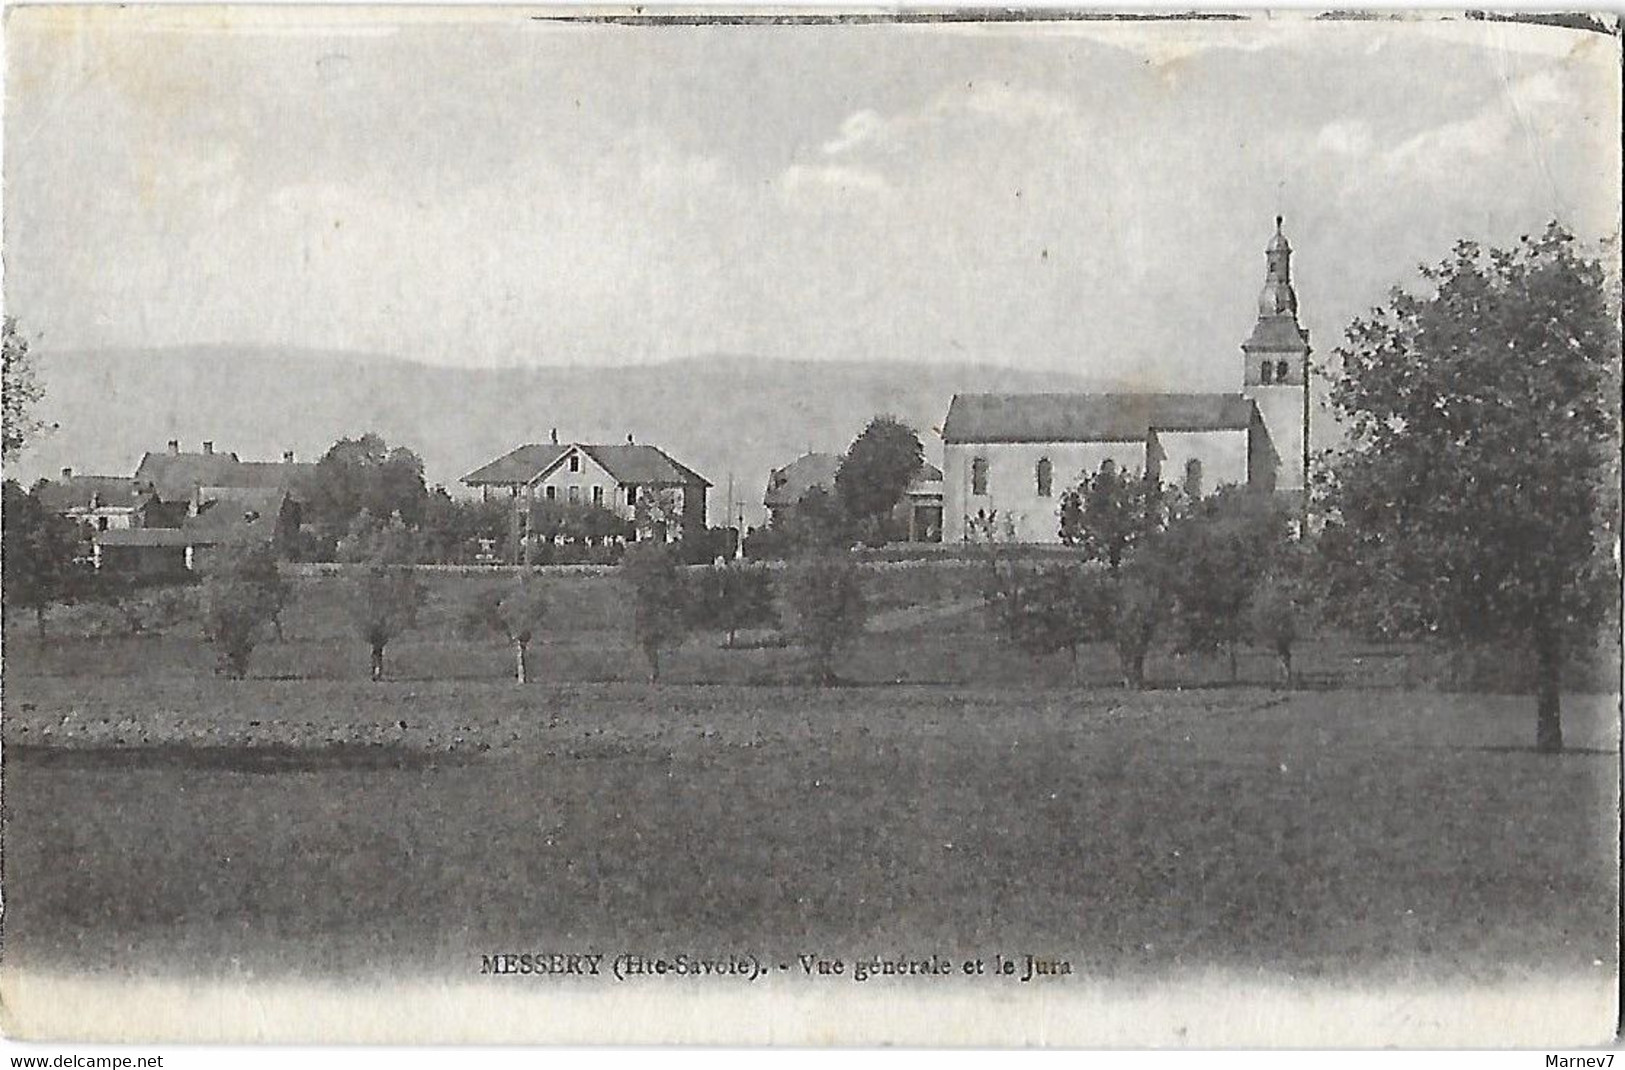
(951, 794)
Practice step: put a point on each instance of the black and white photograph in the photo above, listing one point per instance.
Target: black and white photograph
(733, 527)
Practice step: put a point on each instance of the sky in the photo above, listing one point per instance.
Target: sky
(476, 188)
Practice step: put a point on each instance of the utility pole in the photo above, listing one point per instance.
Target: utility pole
(1303, 523)
(729, 515)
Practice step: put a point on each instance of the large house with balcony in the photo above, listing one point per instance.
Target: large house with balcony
(638, 483)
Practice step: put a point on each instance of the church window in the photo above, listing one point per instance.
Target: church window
(551, 493)
(598, 495)
(575, 494)
(1282, 371)
(575, 462)
(978, 476)
(1193, 477)
(1046, 477)
(1264, 370)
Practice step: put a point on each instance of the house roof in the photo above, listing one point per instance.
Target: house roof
(85, 492)
(643, 465)
(1090, 417)
(263, 500)
(228, 518)
(148, 537)
(290, 476)
(175, 476)
(786, 485)
(518, 466)
(626, 463)
(927, 481)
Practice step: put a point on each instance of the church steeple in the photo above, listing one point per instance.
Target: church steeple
(1275, 375)
(1277, 347)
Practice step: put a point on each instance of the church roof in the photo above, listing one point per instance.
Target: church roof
(1277, 334)
(1090, 417)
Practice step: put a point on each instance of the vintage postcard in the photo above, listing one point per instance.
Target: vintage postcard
(611, 526)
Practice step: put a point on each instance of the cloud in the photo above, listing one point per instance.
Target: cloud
(1533, 108)
(1345, 137)
(978, 99)
(1000, 100)
(860, 128)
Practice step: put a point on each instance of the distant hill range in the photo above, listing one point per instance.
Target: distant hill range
(718, 414)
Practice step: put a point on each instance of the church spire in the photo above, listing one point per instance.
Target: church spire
(1278, 297)
(1276, 334)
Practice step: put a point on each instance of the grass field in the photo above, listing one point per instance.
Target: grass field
(305, 820)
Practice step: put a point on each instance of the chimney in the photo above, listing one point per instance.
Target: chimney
(629, 438)
(555, 436)
(287, 456)
(67, 474)
(174, 446)
(208, 449)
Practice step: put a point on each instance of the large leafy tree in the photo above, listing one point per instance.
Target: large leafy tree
(1477, 497)
(876, 471)
(40, 555)
(19, 391)
(366, 474)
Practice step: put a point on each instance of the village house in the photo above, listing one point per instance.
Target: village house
(637, 483)
(179, 481)
(920, 510)
(101, 503)
(1009, 458)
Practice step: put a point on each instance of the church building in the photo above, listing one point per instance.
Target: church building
(1010, 457)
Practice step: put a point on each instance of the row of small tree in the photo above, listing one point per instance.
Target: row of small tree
(821, 595)
(1215, 572)
(245, 593)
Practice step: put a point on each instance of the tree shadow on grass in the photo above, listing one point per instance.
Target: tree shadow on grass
(1504, 748)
